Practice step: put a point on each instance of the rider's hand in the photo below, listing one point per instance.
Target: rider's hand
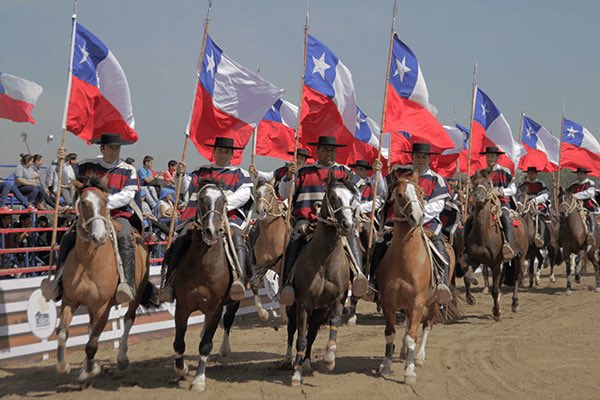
(498, 192)
(292, 169)
(376, 165)
(181, 168)
(61, 153)
(252, 170)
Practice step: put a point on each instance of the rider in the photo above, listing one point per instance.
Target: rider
(362, 168)
(279, 173)
(123, 185)
(309, 188)
(537, 192)
(504, 187)
(584, 189)
(237, 186)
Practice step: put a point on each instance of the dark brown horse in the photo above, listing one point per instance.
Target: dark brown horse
(484, 240)
(405, 277)
(202, 279)
(573, 238)
(90, 279)
(322, 275)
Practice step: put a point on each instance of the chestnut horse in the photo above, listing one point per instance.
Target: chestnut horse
(322, 276)
(573, 238)
(484, 240)
(90, 279)
(202, 278)
(405, 278)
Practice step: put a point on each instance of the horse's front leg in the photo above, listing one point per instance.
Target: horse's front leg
(385, 368)
(520, 265)
(291, 331)
(90, 368)
(496, 275)
(568, 263)
(432, 310)
(262, 313)
(578, 266)
(469, 296)
(334, 323)
(532, 270)
(410, 341)
(301, 340)
(122, 359)
(486, 279)
(228, 318)
(182, 315)
(205, 347)
(66, 316)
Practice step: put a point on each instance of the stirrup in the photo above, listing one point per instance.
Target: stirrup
(360, 284)
(167, 294)
(287, 296)
(372, 294)
(50, 289)
(443, 294)
(237, 291)
(124, 293)
(538, 241)
(507, 252)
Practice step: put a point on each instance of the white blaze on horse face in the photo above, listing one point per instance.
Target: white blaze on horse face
(98, 228)
(212, 196)
(415, 210)
(346, 198)
(262, 193)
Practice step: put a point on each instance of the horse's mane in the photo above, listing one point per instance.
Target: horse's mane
(342, 181)
(94, 181)
(210, 181)
(483, 174)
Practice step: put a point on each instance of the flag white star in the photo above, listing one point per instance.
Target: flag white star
(210, 68)
(401, 68)
(359, 120)
(85, 55)
(529, 132)
(572, 131)
(483, 110)
(320, 65)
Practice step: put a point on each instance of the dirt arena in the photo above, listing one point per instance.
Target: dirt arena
(549, 350)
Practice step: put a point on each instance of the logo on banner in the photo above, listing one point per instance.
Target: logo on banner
(41, 315)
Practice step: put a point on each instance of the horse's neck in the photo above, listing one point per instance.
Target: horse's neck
(483, 222)
(405, 234)
(575, 225)
(325, 238)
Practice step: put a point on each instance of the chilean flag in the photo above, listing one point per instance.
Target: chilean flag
(329, 105)
(407, 107)
(275, 136)
(99, 101)
(490, 128)
(542, 147)
(579, 148)
(17, 98)
(446, 163)
(230, 101)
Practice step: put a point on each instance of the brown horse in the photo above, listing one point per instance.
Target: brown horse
(270, 236)
(484, 240)
(573, 238)
(322, 276)
(202, 278)
(405, 278)
(90, 279)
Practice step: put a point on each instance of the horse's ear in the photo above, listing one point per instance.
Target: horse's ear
(272, 181)
(414, 176)
(104, 181)
(330, 176)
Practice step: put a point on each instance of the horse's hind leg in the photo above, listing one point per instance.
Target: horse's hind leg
(122, 359)
(291, 330)
(568, 263)
(262, 313)
(486, 279)
(90, 368)
(519, 263)
(410, 341)
(427, 325)
(230, 310)
(66, 316)
(469, 296)
(582, 263)
(334, 323)
(496, 279)
(181, 321)
(206, 343)
(385, 368)
(301, 341)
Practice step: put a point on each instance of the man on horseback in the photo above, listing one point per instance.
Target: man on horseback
(504, 187)
(279, 173)
(584, 189)
(537, 192)
(237, 186)
(309, 189)
(362, 168)
(123, 185)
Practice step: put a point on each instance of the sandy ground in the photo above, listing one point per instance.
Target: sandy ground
(549, 350)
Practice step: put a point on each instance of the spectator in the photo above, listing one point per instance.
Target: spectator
(67, 188)
(25, 179)
(148, 178)
(166, 207)
(7, 187)
(43, 239)
(169, 175)
(6, 240)
(43, 192)
(130, 161)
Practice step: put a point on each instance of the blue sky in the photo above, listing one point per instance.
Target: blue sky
(531, 54)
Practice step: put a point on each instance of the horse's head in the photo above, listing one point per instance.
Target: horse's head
(408, 200)
(94, 216)
(266, 199)
(567, 203)
(211, 210)
(339, 205)
(482, 186)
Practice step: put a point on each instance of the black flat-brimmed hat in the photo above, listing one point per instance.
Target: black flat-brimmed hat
(532, 169)
(224, 143)
(327, 141)
(582, 169)
(492, 150)
(422, 148)
(110, 138)
(301, 152)
(361, 163)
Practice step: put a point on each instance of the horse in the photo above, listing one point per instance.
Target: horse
(484, 240)
(202, 279)
(573, 238)
(269, 238)
(405, 277)
(90, 279)
(322, 276)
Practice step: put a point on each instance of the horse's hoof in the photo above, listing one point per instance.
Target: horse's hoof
(85, 376)
(199, 384)
(577, 278)
(297, 379)
(385, 368)
(307, 368)
(182, 372)
(485, 290)
(471, 300)
(122, 363)
(597, 290)
(263, 314)
(568, 292)
(351, 321)
(410, 380)
(63, 368)
(419, 361)
(515, 308)
(225, 349)
(552, 278)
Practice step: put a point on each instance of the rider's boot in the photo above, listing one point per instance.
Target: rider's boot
(359, 282)
(508, 252)
(287, 295)
(52, 289)
(126, 290)
(442, 291)
(237, 291)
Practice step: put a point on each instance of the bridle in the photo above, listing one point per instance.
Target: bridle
(567, 208)
(84, 232)
(490, 196)
(330, 216)
(269, 202)
(403, 215)
(201, 218)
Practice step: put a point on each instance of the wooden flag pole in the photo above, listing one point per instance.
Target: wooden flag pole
(255, 131)
(63, 140)
(468, 183)
(378, 171)
(297, 136)
(557, 177)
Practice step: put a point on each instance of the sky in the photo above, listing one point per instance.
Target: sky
(531, 55)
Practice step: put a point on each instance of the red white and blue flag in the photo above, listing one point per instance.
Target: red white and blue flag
(407, 107)
(579, 148)
(490, 128)
(100, 101)
(329, 106)
(446, 163)
(17, 98)
(275, 136)
(230, 101)
(543, 149)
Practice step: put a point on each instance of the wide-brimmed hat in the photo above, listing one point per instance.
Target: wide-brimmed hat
(422, 148)
(492, 150)
(224, 143)
(301, 152)
(110, 138)
(327, 141)
(361, 163)
(582, 169)
(532, 169)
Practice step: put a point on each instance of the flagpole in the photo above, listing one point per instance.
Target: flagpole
(255, 130)
(63, 140)
(298, 124)
(378, 171)
(474, 89)
(557, 178)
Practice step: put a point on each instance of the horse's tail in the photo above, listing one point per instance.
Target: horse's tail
(150, 296)
(452, 311)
